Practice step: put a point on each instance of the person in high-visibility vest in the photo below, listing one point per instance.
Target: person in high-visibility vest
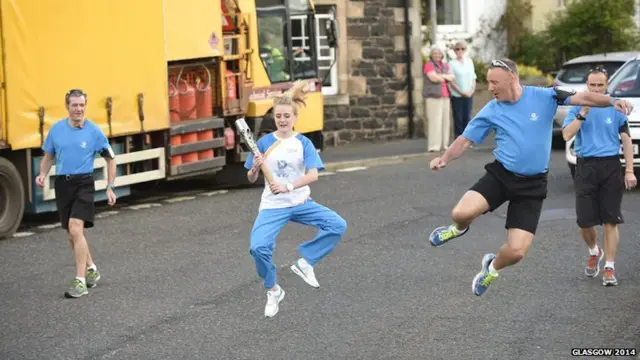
(275, 62)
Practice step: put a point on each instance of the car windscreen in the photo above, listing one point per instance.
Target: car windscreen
(577, 73)
(624, 84)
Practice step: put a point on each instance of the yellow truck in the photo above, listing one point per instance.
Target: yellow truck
(165, 79)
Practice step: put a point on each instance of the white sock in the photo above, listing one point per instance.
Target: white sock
(93, 267)
(277, 289)
(458, 231)
(492, 270)
(609, 264)
(81, 279)
(303, 263)
(594, 251)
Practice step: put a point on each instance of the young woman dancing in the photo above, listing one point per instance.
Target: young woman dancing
(294, 163)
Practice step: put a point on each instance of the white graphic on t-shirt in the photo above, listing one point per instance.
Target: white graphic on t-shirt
(282, 171)
(287, 165)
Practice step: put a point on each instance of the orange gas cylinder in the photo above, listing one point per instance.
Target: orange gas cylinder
(187, 93)
(231, 86)
(229, 138)
(187, 97)
(174, 110)
(204, 109)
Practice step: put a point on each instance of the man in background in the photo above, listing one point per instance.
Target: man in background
(73, 142)
(599, 182)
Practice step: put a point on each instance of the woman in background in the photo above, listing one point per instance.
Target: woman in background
(462, 88)
(436, 75)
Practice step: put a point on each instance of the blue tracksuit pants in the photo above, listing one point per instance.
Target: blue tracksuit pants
(269, 223)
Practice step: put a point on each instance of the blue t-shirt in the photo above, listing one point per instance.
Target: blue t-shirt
(75, 148)
(599, 135)
(523, 129)
(288, 162)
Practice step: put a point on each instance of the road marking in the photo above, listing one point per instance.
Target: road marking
(351, 169)
(106, 213)
(49, 226)
(216, 192)
(22, 234)
(326, 173)
(142, 206)
(179, 199)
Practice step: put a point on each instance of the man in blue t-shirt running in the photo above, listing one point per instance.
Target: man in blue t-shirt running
(522, 118)
(73, 143)
(599, 182)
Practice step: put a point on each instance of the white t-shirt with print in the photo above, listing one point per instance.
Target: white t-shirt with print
(288, 162)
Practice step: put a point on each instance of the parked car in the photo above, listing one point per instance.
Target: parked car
(573, 75)
(623, 84)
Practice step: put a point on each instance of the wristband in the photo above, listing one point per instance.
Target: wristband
(110, 186)
(289, 186)
(612, 101)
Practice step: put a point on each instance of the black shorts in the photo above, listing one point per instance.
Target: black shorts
(599, 187)
(74, 198)
(524, 193)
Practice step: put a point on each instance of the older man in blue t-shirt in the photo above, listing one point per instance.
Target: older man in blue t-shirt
(522, 118)
(74, 142)
(599, 182)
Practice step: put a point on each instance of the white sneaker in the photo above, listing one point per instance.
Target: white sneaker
(273, 299)
(305, 271)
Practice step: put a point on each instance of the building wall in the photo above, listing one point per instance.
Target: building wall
(476, 17)
(541, 12)
(372, 98)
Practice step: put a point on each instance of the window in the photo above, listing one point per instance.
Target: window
(624, 83)
(448, 12)
(272, 43)
(326, 56)
(577, 73)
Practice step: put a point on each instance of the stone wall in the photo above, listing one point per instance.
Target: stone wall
(377, 87)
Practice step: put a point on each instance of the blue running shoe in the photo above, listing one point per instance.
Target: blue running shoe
(445, 233)
(484, 278)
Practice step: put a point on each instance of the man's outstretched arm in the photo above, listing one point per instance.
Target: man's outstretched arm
(456, 149)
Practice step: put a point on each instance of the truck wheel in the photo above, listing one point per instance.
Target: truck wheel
(11, 198)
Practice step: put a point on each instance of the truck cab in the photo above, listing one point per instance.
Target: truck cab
(623, 84)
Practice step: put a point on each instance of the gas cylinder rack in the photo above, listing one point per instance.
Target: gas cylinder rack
(196, 135)
(235, 68)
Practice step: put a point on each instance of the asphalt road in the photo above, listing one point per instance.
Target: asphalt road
(178, 281)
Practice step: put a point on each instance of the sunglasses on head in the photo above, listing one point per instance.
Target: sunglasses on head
(599, 69)
(500, 64)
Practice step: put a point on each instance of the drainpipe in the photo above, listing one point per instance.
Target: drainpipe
(407, 45)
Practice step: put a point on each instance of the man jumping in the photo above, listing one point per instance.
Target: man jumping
(522, 118)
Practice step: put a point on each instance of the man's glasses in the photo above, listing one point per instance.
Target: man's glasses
(501, 64)
(459, 49)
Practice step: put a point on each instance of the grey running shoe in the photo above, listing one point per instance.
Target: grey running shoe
(593, 265)
(609, 277)
(92, 278)
(76, 290)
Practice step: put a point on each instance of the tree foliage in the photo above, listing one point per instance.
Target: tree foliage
(584, 27)
(594, 26)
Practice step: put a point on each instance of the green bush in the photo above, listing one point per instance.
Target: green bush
(481, 70)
